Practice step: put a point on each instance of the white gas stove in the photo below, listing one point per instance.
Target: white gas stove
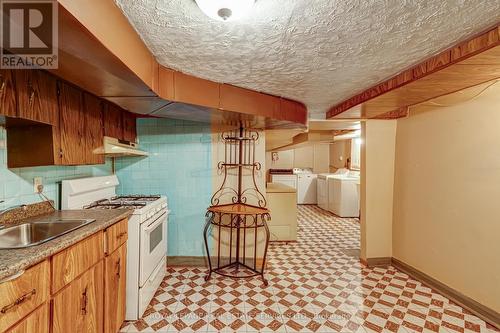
(147, 233)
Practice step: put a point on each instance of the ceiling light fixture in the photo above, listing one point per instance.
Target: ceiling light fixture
(225, 10)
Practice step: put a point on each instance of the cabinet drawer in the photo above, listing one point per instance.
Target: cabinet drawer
(38, 321)
(23, 294)
(116, 235)
(72, 262)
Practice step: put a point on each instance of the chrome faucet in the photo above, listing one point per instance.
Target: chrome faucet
(5, 211)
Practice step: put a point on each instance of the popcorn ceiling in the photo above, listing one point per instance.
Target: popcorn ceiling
(319, 52)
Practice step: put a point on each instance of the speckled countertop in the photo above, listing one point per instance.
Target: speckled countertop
(13, 261)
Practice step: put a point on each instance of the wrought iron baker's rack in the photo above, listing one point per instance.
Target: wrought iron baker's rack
(237, 218)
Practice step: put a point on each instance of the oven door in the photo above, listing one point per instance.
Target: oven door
(153, 246)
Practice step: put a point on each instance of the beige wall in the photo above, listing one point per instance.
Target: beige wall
(377, 179)
(316, 157)
(446, 196)
(340, 151)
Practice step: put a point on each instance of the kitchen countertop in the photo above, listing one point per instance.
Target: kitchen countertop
(279, 188)
(15, 260)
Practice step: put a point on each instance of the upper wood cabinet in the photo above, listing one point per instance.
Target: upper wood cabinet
(8, 101)
(72, 125)
(94, 134)
(113, 121)
(129, 127)
(37, 96)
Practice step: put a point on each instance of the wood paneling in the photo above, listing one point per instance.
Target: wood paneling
(94, 128)
(121, 68)
(23, 294)
(36, 322)
(116, 235)
(467, 64)
(166, 83)
(192, 90)
(115, 272)
(248, 101)
(139, 105)
(8, 100)
(80, 306)
(113, 121)
(70, 263)
(73, 133)
(37, 96)
(129, 126)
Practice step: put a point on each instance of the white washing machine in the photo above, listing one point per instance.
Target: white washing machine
(344, 198)
(306, 186)
(322, 187)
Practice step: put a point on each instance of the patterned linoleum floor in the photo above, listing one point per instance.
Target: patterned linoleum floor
(315, 285)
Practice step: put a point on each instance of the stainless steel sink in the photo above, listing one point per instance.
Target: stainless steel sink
(35, 233)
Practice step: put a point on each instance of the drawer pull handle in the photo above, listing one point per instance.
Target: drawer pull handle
(18, 301)
(118, 267)
(120, 235)
(85, 301)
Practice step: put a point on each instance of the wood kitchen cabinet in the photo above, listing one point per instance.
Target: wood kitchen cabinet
(79, 307)
(129, 126)
(115, 272)
(72, 125)
(94, 134)
(36, 96)
(8, 100)
(113, 121)
(37, 321)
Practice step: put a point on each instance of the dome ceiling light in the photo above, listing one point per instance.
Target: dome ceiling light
(225, 10)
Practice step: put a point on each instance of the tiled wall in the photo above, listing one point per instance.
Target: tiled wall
(179, 166)
(16, 185)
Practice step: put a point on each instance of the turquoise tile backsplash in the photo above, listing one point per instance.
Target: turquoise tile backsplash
(179, 166)
(16, 185)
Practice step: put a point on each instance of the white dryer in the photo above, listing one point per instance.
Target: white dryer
(343, 198)
(323, 192)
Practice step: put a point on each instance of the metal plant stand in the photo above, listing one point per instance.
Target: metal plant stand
(237, 218)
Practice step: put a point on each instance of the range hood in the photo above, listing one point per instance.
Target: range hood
(119, 148)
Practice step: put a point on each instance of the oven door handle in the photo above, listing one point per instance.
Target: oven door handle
(156, 223)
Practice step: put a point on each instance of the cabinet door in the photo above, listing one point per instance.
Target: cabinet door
(37, 321)
(114, 289)
(72, 125)
(7, 93)
(79, 307)
(129, 127)
(37, 96)
(113, 125)
(92, 107)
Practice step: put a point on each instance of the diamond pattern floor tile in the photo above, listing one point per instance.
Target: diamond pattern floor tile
(316, 284)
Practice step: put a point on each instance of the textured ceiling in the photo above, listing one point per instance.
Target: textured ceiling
(319, 52)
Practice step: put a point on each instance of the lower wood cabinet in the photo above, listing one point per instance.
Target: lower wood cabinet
(78, 290)
(37, 321)
(23, 293)
(115, 272)
(79, 307)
